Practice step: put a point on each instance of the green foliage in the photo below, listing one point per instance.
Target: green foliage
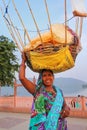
(8, 61)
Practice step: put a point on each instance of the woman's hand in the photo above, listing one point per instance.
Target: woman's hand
(24, 58)
(65, 111)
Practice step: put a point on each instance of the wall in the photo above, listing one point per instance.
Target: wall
(78, 105)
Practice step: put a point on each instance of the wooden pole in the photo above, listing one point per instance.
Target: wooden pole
(15, 93)
(21, 21)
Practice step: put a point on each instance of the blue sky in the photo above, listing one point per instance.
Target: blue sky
(56, 10)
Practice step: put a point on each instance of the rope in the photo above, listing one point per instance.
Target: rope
(36, 30)
(68, 19)
(41, 30)
(21, 20)
(11, 32)
(13, 29)
(34, 20)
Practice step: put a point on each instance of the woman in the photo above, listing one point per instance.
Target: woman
(49, 108)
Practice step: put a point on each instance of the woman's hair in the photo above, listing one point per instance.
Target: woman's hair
(44, 70)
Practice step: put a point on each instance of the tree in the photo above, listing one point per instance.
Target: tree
(8, 61)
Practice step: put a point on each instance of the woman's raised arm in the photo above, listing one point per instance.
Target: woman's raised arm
(30, 86)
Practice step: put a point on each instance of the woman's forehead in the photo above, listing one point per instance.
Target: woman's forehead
(47, 71)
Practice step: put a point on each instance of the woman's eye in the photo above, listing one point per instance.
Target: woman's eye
(50, 75)
(44, 75)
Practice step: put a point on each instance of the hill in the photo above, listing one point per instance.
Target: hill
(71, 86)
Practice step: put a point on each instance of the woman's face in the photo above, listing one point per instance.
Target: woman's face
(47, 78)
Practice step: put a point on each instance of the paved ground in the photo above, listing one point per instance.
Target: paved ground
(77, 123)
(20, 121)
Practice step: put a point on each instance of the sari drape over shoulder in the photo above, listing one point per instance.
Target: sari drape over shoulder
(46, 111)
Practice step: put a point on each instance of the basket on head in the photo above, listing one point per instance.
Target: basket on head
(55, 51)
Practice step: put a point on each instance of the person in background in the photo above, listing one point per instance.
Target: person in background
(49, 108)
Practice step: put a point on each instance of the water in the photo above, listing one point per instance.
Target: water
(9, 91)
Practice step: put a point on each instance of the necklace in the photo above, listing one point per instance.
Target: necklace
(51, 90)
